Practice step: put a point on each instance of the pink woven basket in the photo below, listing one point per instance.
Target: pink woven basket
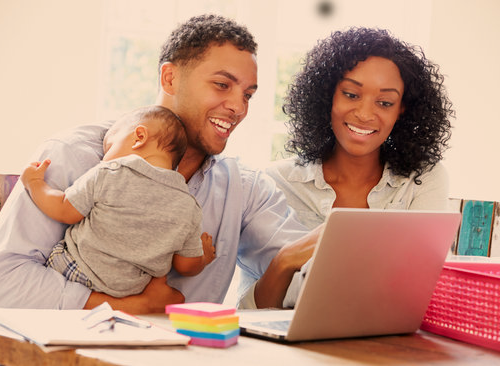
(465, 304)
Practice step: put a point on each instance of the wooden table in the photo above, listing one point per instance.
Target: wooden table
(420, 348)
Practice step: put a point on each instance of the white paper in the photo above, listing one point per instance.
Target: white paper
(49, 327)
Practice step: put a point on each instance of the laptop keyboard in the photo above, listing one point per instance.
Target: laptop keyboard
(281, 325)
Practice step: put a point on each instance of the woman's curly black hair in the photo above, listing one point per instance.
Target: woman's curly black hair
(420, 135)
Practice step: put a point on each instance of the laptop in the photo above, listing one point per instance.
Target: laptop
(372, 273)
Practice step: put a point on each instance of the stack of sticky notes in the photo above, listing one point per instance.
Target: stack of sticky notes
(208, 324)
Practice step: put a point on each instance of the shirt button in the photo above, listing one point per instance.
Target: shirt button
(114, 165)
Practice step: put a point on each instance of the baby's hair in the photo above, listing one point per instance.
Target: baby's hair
(170, 138)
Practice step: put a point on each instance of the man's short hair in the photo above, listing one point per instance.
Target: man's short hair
(192, 39)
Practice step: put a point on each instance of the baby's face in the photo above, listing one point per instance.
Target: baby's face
(140, 140)
(118, 144)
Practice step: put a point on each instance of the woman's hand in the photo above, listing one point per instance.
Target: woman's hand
(271, 288)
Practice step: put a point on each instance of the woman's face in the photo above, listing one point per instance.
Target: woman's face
(366, 105)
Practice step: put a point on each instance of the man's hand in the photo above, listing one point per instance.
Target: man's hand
(153, 299)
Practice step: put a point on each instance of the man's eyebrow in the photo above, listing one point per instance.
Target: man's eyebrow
(233, 78)
(382, 90)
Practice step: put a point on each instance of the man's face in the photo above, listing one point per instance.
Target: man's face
(211, 95)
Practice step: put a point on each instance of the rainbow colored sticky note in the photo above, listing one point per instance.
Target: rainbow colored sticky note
(208, 324)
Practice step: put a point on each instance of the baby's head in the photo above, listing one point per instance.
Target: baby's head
(148, 131)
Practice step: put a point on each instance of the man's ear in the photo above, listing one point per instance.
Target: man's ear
(167, 76)
(140, 136)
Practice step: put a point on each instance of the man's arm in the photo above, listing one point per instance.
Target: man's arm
(52, 202)
(27, 236)
(153, 299)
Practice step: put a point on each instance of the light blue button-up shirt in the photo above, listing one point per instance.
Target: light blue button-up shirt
(246, 215)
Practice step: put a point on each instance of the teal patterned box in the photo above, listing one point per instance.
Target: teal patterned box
(477, 230)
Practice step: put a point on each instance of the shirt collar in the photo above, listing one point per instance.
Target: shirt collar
(306, 173)
(314, 172)
(209, 162)
(389, 178)
(311, 172)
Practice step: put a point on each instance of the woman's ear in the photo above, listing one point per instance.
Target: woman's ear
(167, 75)
(140, 136)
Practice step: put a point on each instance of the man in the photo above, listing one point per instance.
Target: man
(208, 74)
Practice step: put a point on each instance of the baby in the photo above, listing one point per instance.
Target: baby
(131, 216)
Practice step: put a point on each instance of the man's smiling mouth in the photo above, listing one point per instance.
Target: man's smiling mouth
(221, 125)
(359, 131)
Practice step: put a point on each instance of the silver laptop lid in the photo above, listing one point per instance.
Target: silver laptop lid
(372, 273)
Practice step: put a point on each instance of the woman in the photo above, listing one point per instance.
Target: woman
(369, 122)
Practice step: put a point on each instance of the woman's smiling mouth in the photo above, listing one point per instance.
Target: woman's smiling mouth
(359, 131)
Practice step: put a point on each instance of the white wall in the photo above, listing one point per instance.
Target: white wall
(465, 42)
(50, 57)
(49, 72)
(295, 25)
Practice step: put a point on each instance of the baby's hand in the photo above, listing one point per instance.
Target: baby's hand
(208, 248)
(35, 171)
